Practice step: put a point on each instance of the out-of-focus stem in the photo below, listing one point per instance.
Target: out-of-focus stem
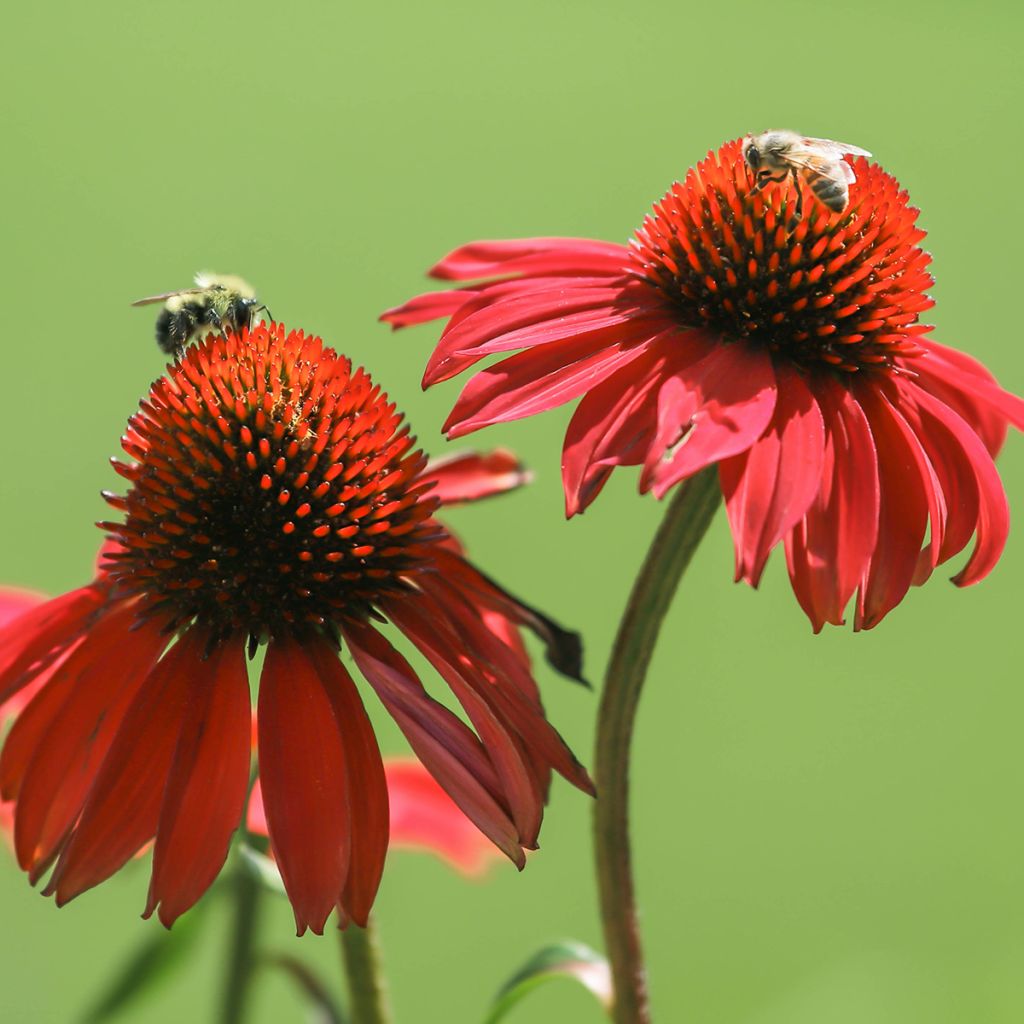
(241, 956)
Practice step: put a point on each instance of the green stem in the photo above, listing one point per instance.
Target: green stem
(687, 518)
(361, 960)
(243, 942)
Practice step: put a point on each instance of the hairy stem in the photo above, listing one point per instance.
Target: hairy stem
(361, 959)
(687, 518)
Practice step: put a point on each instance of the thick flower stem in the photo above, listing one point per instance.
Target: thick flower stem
(686, 520)
(361, 959)
(241, 959)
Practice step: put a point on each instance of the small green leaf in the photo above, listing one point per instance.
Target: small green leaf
(153, 963)
(262, 868)
(561, 959)
(324, 1009)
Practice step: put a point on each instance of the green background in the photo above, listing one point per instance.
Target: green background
(827, 828)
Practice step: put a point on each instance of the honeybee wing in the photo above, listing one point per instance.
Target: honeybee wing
(839, 148)
(830, 164)
(150, 299)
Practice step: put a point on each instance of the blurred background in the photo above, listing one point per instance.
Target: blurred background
(827, 828)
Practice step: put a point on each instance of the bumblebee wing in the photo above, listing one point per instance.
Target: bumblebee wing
(839, 148)
(228, 282)
(150, 299)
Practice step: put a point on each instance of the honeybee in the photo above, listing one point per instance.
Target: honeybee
(776, 154)
(218, 301)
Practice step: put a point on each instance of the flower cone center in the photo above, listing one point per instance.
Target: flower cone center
(273, 489)
(841, 290)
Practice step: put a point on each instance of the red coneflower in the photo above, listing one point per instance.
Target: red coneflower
(274, 495)
(791, 358)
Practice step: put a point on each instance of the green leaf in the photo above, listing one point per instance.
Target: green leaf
(152, 963)
(324, 1009)
(561, 959)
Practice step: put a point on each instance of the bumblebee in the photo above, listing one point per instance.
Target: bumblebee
(775, 155)
(219, 302)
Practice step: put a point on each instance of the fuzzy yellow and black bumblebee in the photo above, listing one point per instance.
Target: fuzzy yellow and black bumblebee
(218, 302)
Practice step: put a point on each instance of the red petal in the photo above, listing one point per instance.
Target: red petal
(424, 817)
(770, 486)
(902, 515)
(470, 476)
(14, 601)
(207, 785)
(613, 425)
(969, 388)
(532, 255)
(305, 786)
(35, 638)
(989, 508)
(34, 721)
(451, 752)
(510, 680)
(545, 377)
(368, 791)
(94, 689)
(716, 403)
(429, 306)
(123, 806)
(828, 554)
(523, 791)
(528, 315)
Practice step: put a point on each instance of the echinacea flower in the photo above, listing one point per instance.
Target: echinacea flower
(790, 357)
(274, 496)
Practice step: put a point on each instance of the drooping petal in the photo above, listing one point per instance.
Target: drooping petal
(305, 783)
(206, 789)
(470, 476)
(450, 750)
(829, 552)
(505, 691)
(613, 425)
(563, 648)
(123, 806)
(902, 515)
(716, 403)
(31, 727)
(770, 486)
(92, 692)
(367, 789)
(35, 638)
(981, 508)
(969, 388)
(522, 789)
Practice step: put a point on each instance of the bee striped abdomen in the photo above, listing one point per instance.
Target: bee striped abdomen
(831, 191)
(174, 327)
